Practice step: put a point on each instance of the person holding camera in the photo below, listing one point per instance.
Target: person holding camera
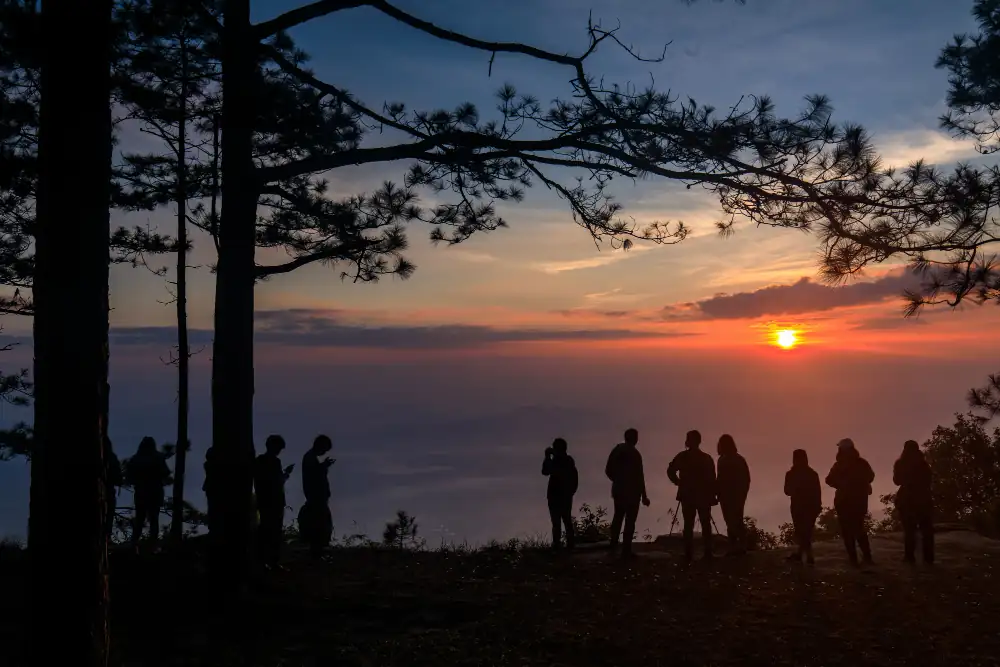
(560, 468)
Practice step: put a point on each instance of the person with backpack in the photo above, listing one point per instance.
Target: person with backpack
(560, 468)
(802, 487)
(628, 489)
(914, 501)
(852, 477)
(693, 471)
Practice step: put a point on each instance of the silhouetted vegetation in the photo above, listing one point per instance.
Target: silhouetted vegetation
(402, 533)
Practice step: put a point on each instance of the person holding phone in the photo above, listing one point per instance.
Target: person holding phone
(315, 519)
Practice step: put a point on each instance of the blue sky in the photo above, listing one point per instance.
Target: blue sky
(466, 337)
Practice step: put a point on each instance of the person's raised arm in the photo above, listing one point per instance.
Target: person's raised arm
(788, 483)
(547, 464)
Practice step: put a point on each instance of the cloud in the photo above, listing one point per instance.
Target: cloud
(803, 296)
(904, 148)
(885, 323)
(602, 259)
(473, 257)
(318, 328)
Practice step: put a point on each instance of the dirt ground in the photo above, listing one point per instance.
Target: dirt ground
(377, 607)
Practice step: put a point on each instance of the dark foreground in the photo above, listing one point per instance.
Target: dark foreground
(372, 607)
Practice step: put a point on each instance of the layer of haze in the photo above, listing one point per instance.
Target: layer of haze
(441, 392)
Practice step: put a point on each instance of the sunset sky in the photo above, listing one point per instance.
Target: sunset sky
(442, 391)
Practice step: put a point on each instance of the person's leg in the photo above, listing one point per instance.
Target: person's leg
(927, 536)
(555, 516)
(154, 524)
(909, 535)
(809, 525)
(799, 525)
(846, 523)
(861, 533)
(739, 512)
(269, 532)
(616, 521)
(732, 532)
(688, 511)
(138, 520)
(631, 514)
(566, 514)
(705, 514)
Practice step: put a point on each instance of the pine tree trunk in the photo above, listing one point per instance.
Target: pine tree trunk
(183, 353)
(68, 547)
(232, 354)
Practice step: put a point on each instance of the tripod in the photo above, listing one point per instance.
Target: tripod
(677, 512)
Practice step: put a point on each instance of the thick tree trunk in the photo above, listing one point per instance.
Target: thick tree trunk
(232, 354)
(68, 548)
(183, 352)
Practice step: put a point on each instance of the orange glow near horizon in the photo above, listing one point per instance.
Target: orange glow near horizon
(786, 339)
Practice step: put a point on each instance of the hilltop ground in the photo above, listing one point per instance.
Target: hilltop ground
(377, 607)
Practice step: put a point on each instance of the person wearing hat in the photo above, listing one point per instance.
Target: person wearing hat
(914, 501)
(852, 477)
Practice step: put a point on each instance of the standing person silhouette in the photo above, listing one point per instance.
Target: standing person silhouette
(852, 477)
(628, 489)
(148, 473)
(733, 487)
(315, 520)
(269, 483)
(914, 501)
(560, 468)
(802, 487)
(693, 471)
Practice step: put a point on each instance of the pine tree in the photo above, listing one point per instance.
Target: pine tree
(66, 534)
(942, 223)
(167, 82)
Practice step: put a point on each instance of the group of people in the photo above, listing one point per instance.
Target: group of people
(147, 473)
(702, 484)
(314, 519)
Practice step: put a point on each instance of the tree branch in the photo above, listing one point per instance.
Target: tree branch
(303, 14)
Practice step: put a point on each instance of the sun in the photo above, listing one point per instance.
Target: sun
(786, 339)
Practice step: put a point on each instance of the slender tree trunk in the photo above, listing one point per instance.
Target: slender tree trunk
(183, 353)
(68, 547)
(232, 354)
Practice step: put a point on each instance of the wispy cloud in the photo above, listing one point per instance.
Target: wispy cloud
(904, 148)
(602, 259)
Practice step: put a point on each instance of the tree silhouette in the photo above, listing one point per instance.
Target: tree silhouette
(762, 167)
(402, 532)
(20, 62)
(166, 81)
(943, 224)
(66, 531)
